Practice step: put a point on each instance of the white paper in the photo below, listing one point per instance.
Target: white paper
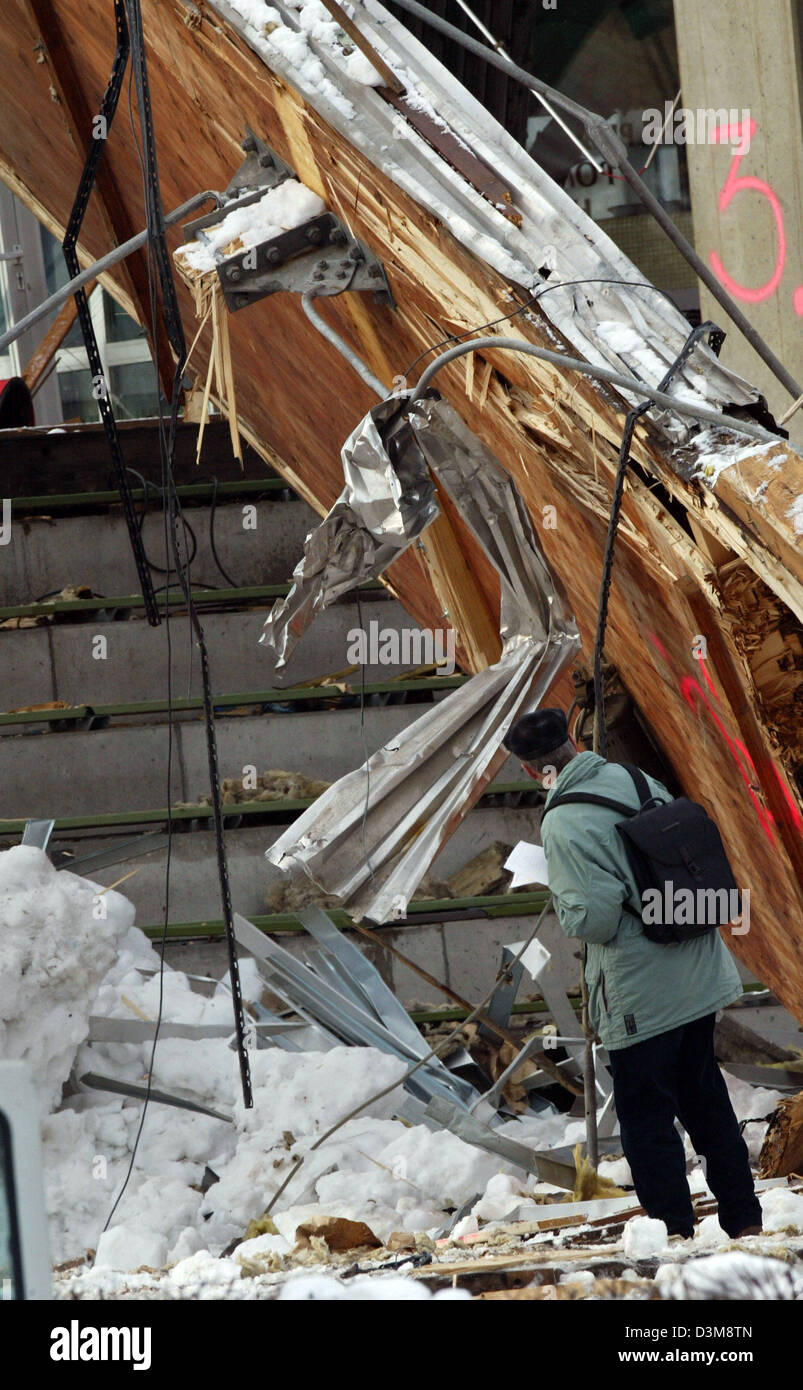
(527, 863)
(535, 957)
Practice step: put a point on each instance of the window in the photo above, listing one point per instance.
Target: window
(123, 348)
(11, 1285)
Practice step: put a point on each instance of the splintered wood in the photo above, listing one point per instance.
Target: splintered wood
(782, 1150)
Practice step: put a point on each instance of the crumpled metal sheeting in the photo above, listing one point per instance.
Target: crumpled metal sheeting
(492, 507)
(349, 1015)
(371, 837)
(388, 499)
(417, 789)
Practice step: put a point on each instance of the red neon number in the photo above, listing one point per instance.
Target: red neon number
(733, 185)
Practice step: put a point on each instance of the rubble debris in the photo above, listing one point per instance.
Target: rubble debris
(337, 1233)
(68, 593)
(735, 1042)
(484, 874)
(782, 1150)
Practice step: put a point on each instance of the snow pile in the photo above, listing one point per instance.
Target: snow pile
(59, 937)
(644, 1237)
(782, 1210)
(375, 1169)
(281, 208)
(389, 1287)
(733, 1276)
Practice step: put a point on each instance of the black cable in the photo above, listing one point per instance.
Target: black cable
(168, 638)
(171, 514)
(108, 107)
(534, 298)
(175, 332)
(631, 421)
(213, 547)
(363, 825)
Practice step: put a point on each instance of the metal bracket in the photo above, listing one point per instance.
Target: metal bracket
(296, 260)
(320, 257)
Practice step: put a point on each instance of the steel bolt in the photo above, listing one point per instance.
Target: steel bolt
(314, 235)
(266, 160)
(274, 255)
(234, 273)
(248, 144)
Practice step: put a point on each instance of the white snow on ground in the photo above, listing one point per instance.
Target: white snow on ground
(61, 965)
(59, 937)
(796, 515)
(644, 1237)
(277, 211)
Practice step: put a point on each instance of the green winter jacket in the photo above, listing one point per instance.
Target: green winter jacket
(637, 988)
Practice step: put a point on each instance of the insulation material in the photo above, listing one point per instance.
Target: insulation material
(59, 937)
(386, 503)
(369, 839)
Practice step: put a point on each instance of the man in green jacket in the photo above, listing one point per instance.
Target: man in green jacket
(652, 1005)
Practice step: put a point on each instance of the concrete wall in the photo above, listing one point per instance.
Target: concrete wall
(45, 554)
(748, 57)
(57, 661)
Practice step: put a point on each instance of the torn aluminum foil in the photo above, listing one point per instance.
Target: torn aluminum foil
(388, 499)
(371, 837)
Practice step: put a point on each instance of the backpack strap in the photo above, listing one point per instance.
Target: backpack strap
(640, 783)
(591, 799)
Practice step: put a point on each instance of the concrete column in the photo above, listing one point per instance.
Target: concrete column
(747, 58)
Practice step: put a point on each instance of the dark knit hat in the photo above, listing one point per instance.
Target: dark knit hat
(535, 735)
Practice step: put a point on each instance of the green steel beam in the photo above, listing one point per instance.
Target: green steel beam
(58, 501)
(286, 923)
(202, 598)
(77, 713)
(286, 808)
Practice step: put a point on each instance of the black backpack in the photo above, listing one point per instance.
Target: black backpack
(672, 847)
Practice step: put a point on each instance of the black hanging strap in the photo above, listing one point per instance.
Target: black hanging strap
(97, 142)
(631, 421)
(157, 241)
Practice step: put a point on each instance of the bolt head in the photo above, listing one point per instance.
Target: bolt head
(314, 235)
(274, 255)
(235, 273)
(266, 160)
(248, 144)
(241, 301)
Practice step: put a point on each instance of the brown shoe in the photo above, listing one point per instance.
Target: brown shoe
(750, 1231)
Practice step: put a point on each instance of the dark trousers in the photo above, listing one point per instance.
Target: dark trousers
(676, 1074)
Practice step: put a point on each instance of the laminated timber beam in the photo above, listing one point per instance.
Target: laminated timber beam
(66, 89)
